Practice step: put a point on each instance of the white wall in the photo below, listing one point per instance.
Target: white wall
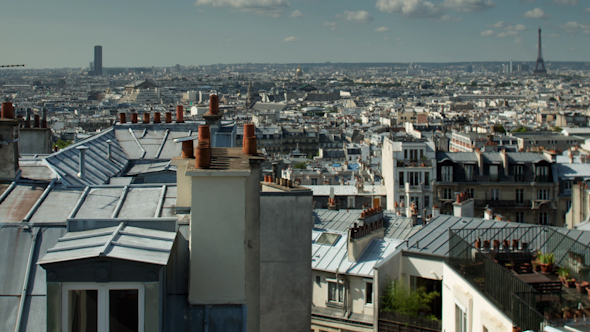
(480, 312)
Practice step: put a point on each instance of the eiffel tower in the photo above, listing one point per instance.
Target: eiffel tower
(540, 67)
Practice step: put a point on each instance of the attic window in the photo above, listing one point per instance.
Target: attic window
(328, 239)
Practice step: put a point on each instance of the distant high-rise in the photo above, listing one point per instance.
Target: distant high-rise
(540, 67)
(97, 60)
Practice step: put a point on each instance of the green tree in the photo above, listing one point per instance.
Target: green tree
(499, 129)
(61, 143)
(520, 130)
(399, 298)
(300, 165)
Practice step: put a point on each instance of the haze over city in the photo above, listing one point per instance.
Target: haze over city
(60, 33)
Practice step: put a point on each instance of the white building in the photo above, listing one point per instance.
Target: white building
(409, 172)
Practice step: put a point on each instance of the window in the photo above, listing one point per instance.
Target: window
(519, 173)
(542, 174)
(415, 178)
(406, 154)
(335, 292)
(495, 194)
(314, 182)
(426, 201)
(542, 194)
(446, 173)
(447, 194)
(519, 196)
(468, 172)
(493, 173)
(102, 307)
(567, 185)
(460, 319)
(368, 293)
(401, 179)
(520, 217)
(415, 200)
(427, 179)
(543, 218)
(470, 193)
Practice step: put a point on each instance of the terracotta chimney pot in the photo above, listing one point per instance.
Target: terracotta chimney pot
(133, 117)
(7, 111)
(168, 117)
(122, 118)
(179, 114)
(213, 104)
(157, 117)
(187, 149)
(146, 117)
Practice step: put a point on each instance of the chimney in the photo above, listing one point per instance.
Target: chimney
(109, 153)
(435, 211)
(168, 117)
(504, 161)
(9, 136)
(44, 118)
(213, 104)
(36, 121)
(82, 149)
(133, 117)
(488, 214)
(179, 114)
(157, 117)
(146, 117)
(479, 157)
(359, 238)
(249, 141)
(27, 123)
(464, 207)
(571, 155)
(122, 117)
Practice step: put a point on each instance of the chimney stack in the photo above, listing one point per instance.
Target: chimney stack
(157, 117)
(203, 151)
(168, 117)
(133, 117)
(179, 114)
(36, 122)
(7, 111)
(146, 117)
(213, 104)
(122, 117)
(9, 134)
(82, 149)
(44, 118)
(27, 123)
(249, 146)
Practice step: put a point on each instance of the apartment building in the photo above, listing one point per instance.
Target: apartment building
(518, 186)
(409, 172)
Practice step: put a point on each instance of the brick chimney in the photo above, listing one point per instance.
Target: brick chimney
(9, 135)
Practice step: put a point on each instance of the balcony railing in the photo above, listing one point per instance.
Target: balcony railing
(414, 163)
(503, 203)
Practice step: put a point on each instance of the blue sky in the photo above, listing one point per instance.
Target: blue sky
(62, 33)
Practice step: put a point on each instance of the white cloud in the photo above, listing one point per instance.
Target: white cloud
(570, 26)
(291, 39)
(448, 18)
(500, 24)
(296, 14)
(487, 33)
(360, 16)
(385, 38)
(410, 8)
(519, 27)
(587, 10)
(331, 25)
(536, 13)
(469, 5)
(382, 29)
(566, 2)
(509, 33)
(262, 7)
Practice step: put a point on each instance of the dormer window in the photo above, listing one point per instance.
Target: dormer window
(518, 173)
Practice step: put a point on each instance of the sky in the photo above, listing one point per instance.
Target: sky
(136, 33)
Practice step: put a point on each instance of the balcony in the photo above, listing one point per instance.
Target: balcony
(414, 163)
(503, 203)
(530, 299)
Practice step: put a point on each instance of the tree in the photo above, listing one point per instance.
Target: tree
(300, 165)
(520, 130)
(61, 143)
(398, 298)
(499, 129)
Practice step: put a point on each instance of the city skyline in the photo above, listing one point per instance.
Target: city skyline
(62, 33)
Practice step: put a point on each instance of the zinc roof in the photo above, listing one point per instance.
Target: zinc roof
(121, 242)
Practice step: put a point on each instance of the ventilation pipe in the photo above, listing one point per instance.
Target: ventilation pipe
(109, 154)
(82, 149)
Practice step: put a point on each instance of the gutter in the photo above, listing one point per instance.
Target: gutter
(21, 306)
